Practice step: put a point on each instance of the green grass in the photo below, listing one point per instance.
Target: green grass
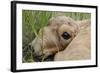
(32, 21)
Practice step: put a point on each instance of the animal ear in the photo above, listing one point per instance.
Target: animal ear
(77, 29)
(84, 23)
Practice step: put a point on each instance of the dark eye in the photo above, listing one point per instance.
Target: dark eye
(65, 35)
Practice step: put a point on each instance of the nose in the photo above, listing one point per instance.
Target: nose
(31, 48)
(27, 49)
(34, 56)
(27, 52)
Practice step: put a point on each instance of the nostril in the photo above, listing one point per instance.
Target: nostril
(31, 48)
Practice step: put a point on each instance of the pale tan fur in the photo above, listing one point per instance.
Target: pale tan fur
(51, 41)
(79, 48)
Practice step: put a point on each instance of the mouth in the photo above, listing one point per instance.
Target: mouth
(42, 58)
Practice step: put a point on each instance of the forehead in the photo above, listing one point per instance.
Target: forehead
(63, 24)
(65, 28)
(60, 20)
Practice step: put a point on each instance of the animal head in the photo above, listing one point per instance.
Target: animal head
(54, 37)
